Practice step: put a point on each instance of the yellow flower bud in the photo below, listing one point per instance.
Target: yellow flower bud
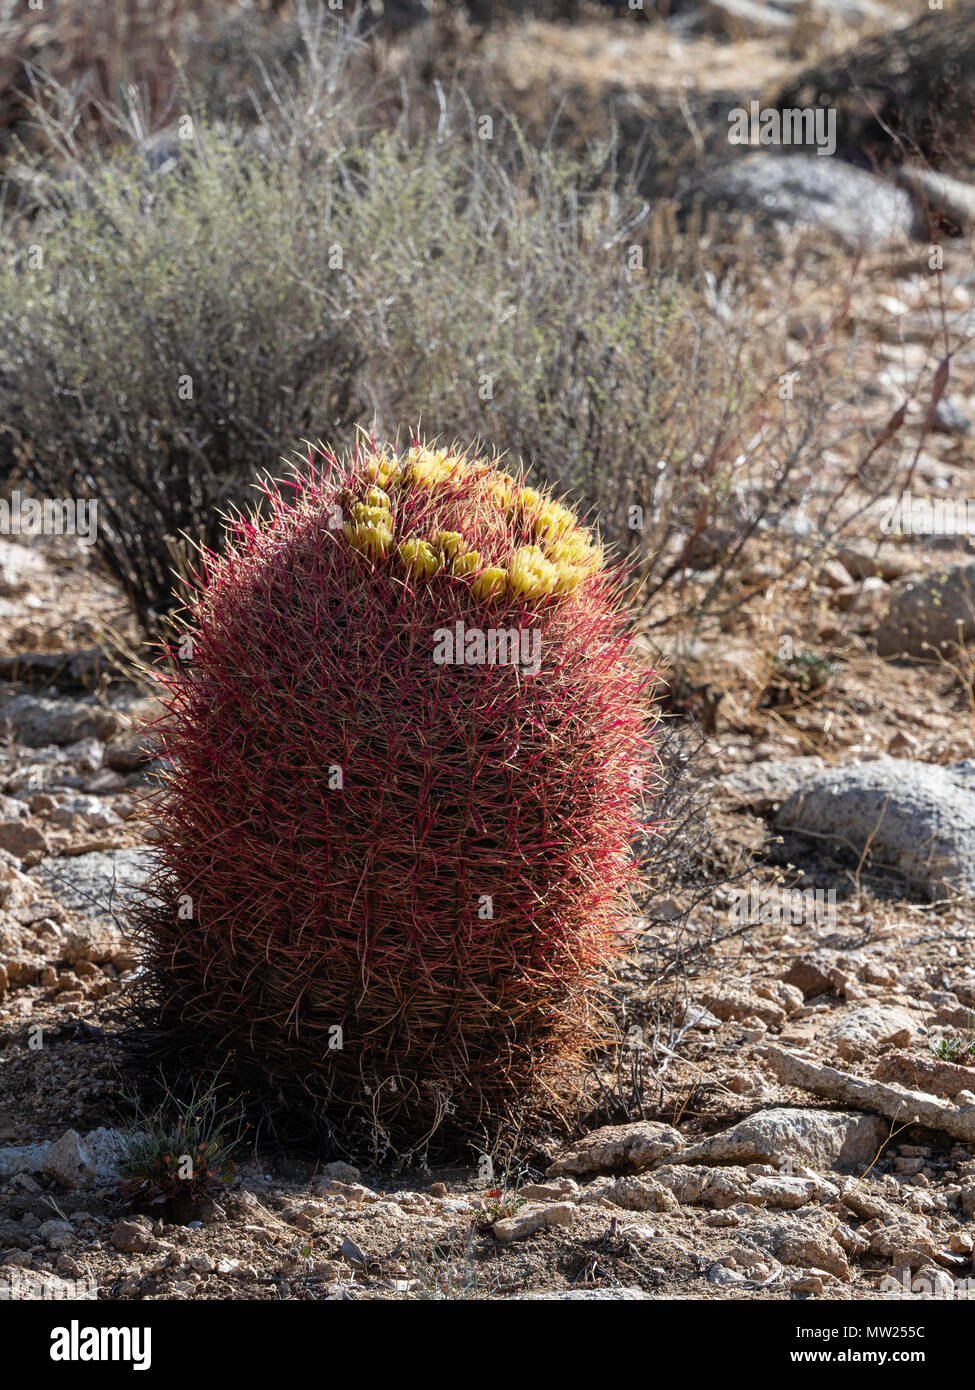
(575, 549)
(554, 521)
(531, 574)
(370, 516)
(501, 490)
(420, 557)
(379, 468)
(451, 543)
(569, 577)
(368, 539)
(489, 583)
(465, 564)
(530, 499)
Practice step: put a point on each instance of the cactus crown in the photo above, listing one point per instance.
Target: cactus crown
(398, 508)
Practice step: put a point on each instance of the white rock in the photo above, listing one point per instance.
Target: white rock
(860, 1032)
(69, 1162)
(56, 1234)
(531, 1219)
(641, 1194)
(789, 1192)
(624, 1147)
(823, 1139)
(915, 818)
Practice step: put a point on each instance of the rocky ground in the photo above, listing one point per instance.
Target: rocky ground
(808, 1063)
(786, 1072)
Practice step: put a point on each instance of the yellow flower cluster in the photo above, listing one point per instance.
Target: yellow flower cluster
(451, 543)
(561, 557)
(420, 557)
(529, 573)
(370, 530)
(380, 468)
(575, 551)
(429, 467)
(490, 583)
(532, 574)
(502, 490)
(552, 520)
(564, 555)
(467, 563)
(426, 559)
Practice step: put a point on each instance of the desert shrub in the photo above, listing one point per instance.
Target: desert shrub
(162, 338)
(312, 271)
(515, 307)
(286, 285)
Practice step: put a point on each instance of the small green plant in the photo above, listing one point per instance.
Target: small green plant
(502, 1203)
(955, 1047)
(172, 340)
(797, 677)
(181, 1152)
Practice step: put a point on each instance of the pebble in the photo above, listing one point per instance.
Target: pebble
(56, 1234)
(69, 1162)
(526, 1223)
(133, 1236)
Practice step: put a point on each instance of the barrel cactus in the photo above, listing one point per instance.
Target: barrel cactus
(406, 732)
